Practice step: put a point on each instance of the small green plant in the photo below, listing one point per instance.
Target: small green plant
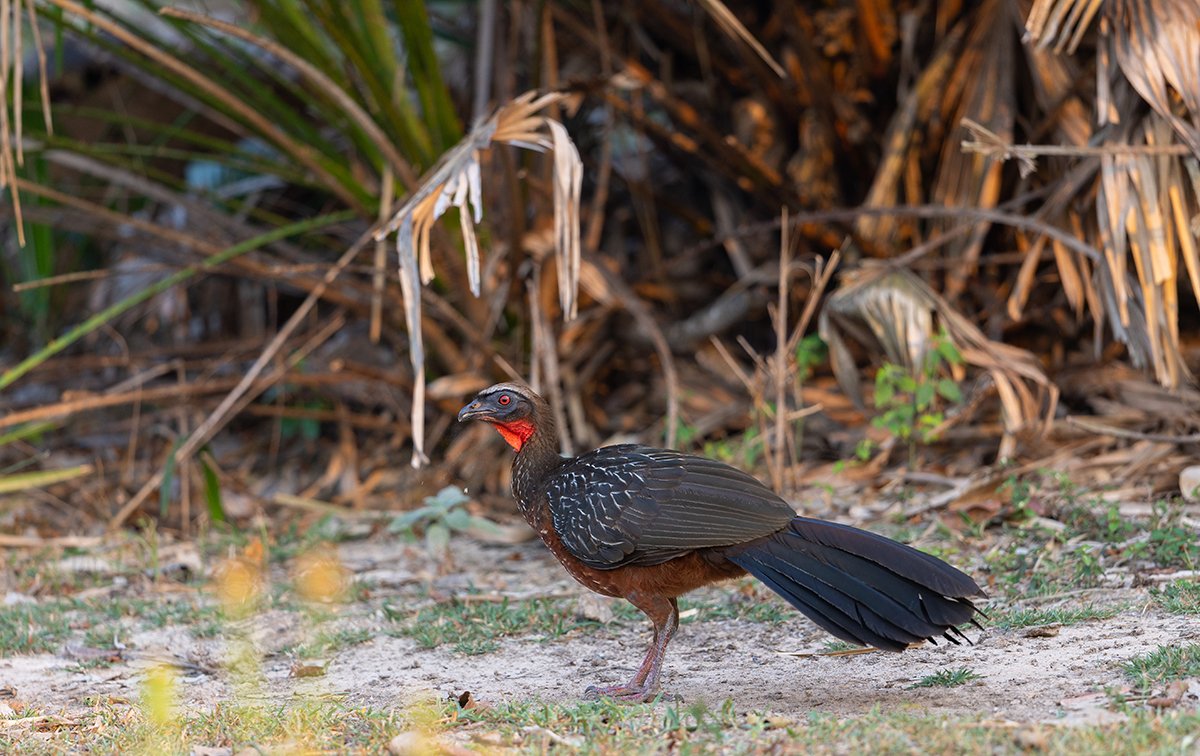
(1165, 663)
(1172, 542)
(1089, 567)
(741, 451)
(910, 402)
(442, 514)
(1020, 494)
(1180, 597)
(947, 678)
(810, 352)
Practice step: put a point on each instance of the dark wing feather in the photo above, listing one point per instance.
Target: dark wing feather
(635, 505)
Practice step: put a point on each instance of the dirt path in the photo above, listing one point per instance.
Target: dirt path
(1057, 674)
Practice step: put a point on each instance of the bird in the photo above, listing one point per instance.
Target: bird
(649, 525)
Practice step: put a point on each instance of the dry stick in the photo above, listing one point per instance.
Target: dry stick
(595, 229)
(90, 275)
(71, 406)
(18, 76)
(377, 285)
(822, 274)
(730, 24)
(8, 170)
(36, 542)
(914, 211)
(545, 355)
(484, 43)
(357, 420)
(89, 402)
(780, 372)
(1108, 430)
(188, 241)
(43, 78)
(991, 144)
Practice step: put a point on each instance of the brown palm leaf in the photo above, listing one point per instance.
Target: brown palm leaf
(1149, 50)
(456, 182)
(983, 90)
(1157, 44)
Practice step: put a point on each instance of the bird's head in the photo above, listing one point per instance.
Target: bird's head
(511, 408)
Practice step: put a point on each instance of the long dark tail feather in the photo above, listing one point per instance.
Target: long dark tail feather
(861, 587)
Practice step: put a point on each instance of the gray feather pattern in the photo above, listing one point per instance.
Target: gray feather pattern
(636, 505)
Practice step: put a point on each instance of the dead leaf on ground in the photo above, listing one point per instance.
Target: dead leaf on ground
(1171, 696)
(309, 668)
(1043, 631)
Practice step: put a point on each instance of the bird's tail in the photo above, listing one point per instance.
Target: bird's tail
(860, 586)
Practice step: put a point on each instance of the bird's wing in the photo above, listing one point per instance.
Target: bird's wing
(635, 505)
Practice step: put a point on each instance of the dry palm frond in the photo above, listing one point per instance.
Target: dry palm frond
(1157, 45)
(1060, 24)
(900, 142)
(1155, 42)
(1054, 77)
(1145, 201)
(1144, 209)
(456, 181)
(984, 91)
(1147, 193)
(893, 311)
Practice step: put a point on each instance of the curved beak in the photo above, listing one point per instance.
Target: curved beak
(472, 411)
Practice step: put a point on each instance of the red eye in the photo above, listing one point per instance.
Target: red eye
(504, 399)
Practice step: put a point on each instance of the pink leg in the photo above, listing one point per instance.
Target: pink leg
(664, 613)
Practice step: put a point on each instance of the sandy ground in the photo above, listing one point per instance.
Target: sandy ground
(1061, 676)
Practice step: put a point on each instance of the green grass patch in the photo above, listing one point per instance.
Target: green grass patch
(44, 626)
(603, 721)
(1067, 615)
(1163, 538)
(1164, 664)
(310, 726)
(1180, 597)
(1039, 566)
(947, 678)
(34, 628)
(602, 727)
(475, 627)
(588, 727)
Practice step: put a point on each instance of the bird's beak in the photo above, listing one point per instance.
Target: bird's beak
(473, 410)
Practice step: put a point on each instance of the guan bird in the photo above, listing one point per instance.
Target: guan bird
(649, 525)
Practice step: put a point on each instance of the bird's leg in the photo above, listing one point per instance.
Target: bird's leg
(664, 613)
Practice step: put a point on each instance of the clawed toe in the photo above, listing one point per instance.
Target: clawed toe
(631, 693)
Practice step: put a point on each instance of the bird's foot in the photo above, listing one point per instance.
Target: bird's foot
(628, 692)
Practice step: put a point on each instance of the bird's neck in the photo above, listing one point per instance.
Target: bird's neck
(537, 457)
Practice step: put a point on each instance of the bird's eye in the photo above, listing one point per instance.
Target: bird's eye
(504, 399)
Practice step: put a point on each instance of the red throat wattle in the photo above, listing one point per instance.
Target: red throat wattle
(515, 433)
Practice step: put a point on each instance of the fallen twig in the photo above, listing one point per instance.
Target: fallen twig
(1109, 430)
